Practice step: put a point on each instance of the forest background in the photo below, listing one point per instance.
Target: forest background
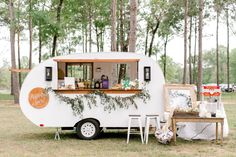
(60, 27)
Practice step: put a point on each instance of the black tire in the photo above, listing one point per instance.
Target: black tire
(88, 129)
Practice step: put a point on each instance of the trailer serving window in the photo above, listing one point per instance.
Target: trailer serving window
(108, 72)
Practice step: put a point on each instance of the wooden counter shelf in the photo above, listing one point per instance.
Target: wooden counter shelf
(107, 91)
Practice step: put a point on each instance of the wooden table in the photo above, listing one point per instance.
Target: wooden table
(199, 119)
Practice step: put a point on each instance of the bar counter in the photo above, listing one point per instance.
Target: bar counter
(107, 91)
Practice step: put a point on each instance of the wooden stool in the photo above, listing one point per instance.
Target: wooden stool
(138, 118)
(148, 118)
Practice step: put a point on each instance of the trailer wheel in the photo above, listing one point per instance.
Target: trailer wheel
(88, 129)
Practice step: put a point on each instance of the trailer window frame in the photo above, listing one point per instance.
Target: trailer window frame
(93, 62)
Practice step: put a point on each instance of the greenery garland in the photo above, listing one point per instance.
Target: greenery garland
(109, 102)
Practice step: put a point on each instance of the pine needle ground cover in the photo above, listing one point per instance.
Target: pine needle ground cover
(19, 137)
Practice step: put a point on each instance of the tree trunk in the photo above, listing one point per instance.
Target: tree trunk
(102, 39)
(185, 39)
(118, 31)
(18, 41)
(54, 43)
(113, 26)
(15, 82)
(122, 72)
(69, 44)
(97, 38)
(18, 49)
(164, 63)
(30, 34)
(227, 24)
(122, 39)
(217, 47)
(133, 25)
(40, 37)
(90, 29)
(40, 43)
(153, 36)
(126, 41)
(86, 39)
(123, 44)
(146, 40)
(189, 51)
(83, 34)
(12, 92)
(195, 53)
(200, 25)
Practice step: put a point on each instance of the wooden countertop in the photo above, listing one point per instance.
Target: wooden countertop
(107, 91)
(197, 119)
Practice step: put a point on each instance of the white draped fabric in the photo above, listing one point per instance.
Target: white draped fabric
(204, 131)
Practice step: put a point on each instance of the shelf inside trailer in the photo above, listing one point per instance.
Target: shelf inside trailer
(107, 91)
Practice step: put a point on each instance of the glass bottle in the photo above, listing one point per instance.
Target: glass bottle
(92, 84)
(97, 84)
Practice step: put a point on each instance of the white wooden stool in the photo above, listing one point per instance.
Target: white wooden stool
(138, 119)
(148, 119)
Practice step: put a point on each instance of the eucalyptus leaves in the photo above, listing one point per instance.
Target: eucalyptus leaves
(108, 102)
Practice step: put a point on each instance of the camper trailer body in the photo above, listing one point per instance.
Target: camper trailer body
(51, 74)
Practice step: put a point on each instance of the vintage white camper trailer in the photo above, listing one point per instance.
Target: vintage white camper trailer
(75, 78)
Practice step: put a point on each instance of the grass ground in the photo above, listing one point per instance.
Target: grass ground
(6, 97)
(229, 98)
(19, 137)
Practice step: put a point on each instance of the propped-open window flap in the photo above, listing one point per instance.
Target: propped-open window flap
(95, 60)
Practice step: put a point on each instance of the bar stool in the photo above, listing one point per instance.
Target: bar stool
(138, 119)
(148, 119)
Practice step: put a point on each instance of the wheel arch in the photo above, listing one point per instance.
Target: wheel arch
(87, 119)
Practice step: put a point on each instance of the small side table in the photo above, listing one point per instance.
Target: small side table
(200, 120)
